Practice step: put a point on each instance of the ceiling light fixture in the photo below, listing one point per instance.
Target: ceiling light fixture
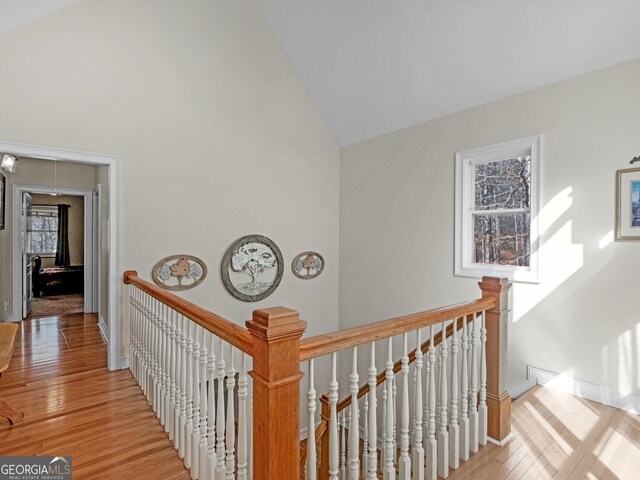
(9, 163)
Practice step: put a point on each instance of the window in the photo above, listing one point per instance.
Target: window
(42, 227)
(497, 194)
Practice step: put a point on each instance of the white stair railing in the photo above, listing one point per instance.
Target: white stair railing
(182, 368)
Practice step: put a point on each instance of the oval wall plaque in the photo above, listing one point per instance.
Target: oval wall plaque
(179, 272)
(307, 265)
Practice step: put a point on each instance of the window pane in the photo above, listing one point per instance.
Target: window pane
(502, 239)
(503, 184)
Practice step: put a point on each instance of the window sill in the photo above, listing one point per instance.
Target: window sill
(514, 274)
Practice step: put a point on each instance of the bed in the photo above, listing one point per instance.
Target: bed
(64, 280)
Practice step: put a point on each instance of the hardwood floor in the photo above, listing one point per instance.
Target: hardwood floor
(74, 406)
(560, 436)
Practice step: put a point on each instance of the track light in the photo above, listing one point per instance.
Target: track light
(9, 163)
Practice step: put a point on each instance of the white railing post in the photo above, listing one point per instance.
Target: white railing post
(473, 394)
(482, 406)
(211, 401)
(354, 433)
(432, 444)
(231, 430)
(195, 435)
(204, 408)
(220, 419)
(311, 425)
(188, 456)
(333, 421)
(182, 451)
(418, 450)
(454, 433)
(443, 434)
(389, 471)
(372, 465)
(404, 462)
(242, 418)
(464, 396)
(365, 441)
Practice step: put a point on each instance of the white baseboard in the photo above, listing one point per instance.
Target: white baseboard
(104, 329)
(124, 363)
(522, 388)
(582, 389)
(502, 443)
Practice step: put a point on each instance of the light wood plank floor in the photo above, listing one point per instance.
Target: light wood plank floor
(560, 436)
(74, 406)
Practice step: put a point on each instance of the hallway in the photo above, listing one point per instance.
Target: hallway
(74, 406)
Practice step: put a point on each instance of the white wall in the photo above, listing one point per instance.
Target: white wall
(396, 225)
(217, 136)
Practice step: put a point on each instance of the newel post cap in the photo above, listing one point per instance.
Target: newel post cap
(128, 276)
(276, 323)
(494, 284)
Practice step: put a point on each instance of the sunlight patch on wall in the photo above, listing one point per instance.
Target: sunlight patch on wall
(606, 240)
(560, 259)
(555, 208)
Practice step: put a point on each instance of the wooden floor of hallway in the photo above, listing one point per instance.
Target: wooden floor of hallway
(74, 406)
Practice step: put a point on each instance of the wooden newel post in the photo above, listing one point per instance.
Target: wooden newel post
(497, 325)
(276, 377)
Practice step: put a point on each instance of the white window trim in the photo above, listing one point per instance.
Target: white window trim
(465, 160)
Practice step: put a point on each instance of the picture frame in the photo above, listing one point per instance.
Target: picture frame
(3, 188)
(628, 204)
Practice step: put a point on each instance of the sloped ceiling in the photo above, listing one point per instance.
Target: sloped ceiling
(374, 66)
(15, 13)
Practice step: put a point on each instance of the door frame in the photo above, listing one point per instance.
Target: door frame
(89, 260)
(116, 360)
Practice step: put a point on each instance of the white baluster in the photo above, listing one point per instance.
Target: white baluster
(389, 471)
(173, 361)
(354, 431)
(343, 446)
(443, 434)
(395, 422)
(333, 420)
(464, 395)
(242, 418)
(168, 366)
(404, 463)
(204, 407)
(220, 418)
(183, 389)
(195, 435)
(162, 391)
(177, 369)
(418, 450)
(473, 394)
(188, 456)
(156, 358)
(432, 444)
(231, 431)
(311, 425)
(365, 446)
(383, 426)
(454, 432)
(211, 403)
(372, 466)
(483, 414)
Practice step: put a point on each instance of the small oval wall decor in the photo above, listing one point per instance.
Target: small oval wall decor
(307, 265)
(179, 272)
(252, 268)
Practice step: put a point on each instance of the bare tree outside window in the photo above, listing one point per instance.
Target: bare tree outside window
(502, 212)
(42, 228)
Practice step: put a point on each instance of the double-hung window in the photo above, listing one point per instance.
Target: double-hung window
(497, 197)
(42, 228)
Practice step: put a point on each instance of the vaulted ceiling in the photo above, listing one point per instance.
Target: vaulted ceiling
(375, 66)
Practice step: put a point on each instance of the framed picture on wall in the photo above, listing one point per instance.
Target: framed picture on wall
(628, 204)
(2, 200)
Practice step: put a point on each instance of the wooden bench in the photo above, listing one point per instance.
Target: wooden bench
(8, 333)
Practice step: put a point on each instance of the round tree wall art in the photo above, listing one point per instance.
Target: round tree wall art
(307, 265)
(179, 272)
(252, 268)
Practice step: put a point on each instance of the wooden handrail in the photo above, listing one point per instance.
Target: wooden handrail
(219, 326)
(320, 345)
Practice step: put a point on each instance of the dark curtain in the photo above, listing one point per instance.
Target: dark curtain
(62, 248)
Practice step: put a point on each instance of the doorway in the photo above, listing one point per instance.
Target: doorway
(59, 243)
(110, 294)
